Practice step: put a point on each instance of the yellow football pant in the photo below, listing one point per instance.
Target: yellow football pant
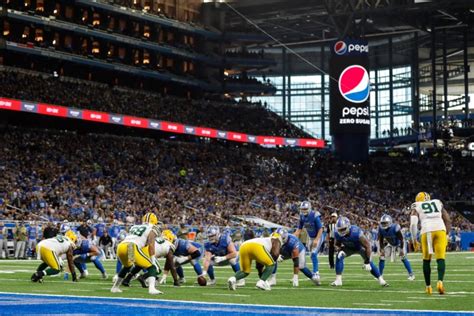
(253, 251)
(129, 254)
(438, 241)
(49, 257)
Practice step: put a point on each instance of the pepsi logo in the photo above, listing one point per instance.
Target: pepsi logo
(354, 84)
(154, 124)
(221, 134)
(340, 48)
(116, 119)
(74, 113)
(252, 138)
(189, 130)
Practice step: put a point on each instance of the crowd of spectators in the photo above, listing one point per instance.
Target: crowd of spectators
(245, 54)
(58, 175)
(252, 118)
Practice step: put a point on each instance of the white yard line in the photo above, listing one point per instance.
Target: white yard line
(223, 294)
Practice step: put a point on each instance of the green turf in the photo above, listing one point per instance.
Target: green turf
(360, 290)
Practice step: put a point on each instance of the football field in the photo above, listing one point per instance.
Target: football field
(359, 292)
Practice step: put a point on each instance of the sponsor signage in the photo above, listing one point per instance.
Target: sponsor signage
(350, 89)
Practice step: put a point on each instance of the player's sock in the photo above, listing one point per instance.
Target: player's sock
(123, 272)
(314, 260)
(267, 272)
(339, 265)
(79, 267)
(275, 269)
(306, 272)
(42, 267)
(51, 271)
(375, 271)
(118, 266)
(83, 266)
(210, 272)
(240, 275)
(180, 272)
(197, 268)
(407, 265)
(99, 266)
(441, 268)
(235, 267)
(152, 272)
(427, 271)
(381, 265)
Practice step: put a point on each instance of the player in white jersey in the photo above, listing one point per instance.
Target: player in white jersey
(435, 223)
(264, 251)
(50, 251)
(138, 249)
(164, 248)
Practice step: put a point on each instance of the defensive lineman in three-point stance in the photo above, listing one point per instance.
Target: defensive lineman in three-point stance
(435, 222)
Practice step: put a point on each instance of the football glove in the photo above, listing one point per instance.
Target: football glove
(341, 254)
(296, 282)
(367, 267)
(181, 259)
(280, 258)
(220, 259)
(163, 279)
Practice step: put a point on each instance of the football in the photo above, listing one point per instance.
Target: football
(202, 281)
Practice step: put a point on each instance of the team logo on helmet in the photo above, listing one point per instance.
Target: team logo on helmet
(340, 48)
(354, 84)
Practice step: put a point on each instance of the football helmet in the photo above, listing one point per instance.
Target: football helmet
(343, 226)
(422, 197)
(386, 221)
(71, 236)
(283, 233)
(305, 207)
(168, 235)
(213, 234)
(150, 218)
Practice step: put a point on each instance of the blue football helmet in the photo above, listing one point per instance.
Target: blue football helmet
(386, 221)
(213, 234)
(343, 226)
(305, 207)
(283, 233)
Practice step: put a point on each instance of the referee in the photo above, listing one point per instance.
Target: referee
(331, 228)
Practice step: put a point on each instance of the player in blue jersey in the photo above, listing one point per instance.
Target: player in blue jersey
(311, 220)
(186, 252)
(114, 232)
(294, 249)
(99, 228)
(219, 251)
(350, 239)
(85, 253)
(392, 234)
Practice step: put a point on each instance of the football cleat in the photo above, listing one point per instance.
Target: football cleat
(115, 290)
(411, 277)
(142, 281)
(231, 283)
(154, 291)
(336, 283)
(105, 276)
(240, 282)
(272, 280)
(440, 287)
(316, 279)
(37, 277)
(211, 282)
(429, 290)
(263, 285)
(114, 279)
(181, 280)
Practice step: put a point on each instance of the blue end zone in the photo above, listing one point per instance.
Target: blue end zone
(11, 303)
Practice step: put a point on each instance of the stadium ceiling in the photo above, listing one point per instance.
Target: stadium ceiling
(302, 22)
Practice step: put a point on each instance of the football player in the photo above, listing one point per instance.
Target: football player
(264, 251)
(87, 252)
(435, 222)
(220, 251)
(131, 251)
(392, 233)
(311, 220)
(50, 250)
(350, 239)
(294, 249)
(164, 248)
(186, 252)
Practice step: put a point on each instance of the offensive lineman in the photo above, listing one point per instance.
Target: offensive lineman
(264, 251)
(435, 222)
(392, 233)
(131, 252)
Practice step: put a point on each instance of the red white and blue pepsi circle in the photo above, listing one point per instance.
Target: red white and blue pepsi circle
(354, 84)
(340, 48)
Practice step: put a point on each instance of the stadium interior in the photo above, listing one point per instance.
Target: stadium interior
(223, 118)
